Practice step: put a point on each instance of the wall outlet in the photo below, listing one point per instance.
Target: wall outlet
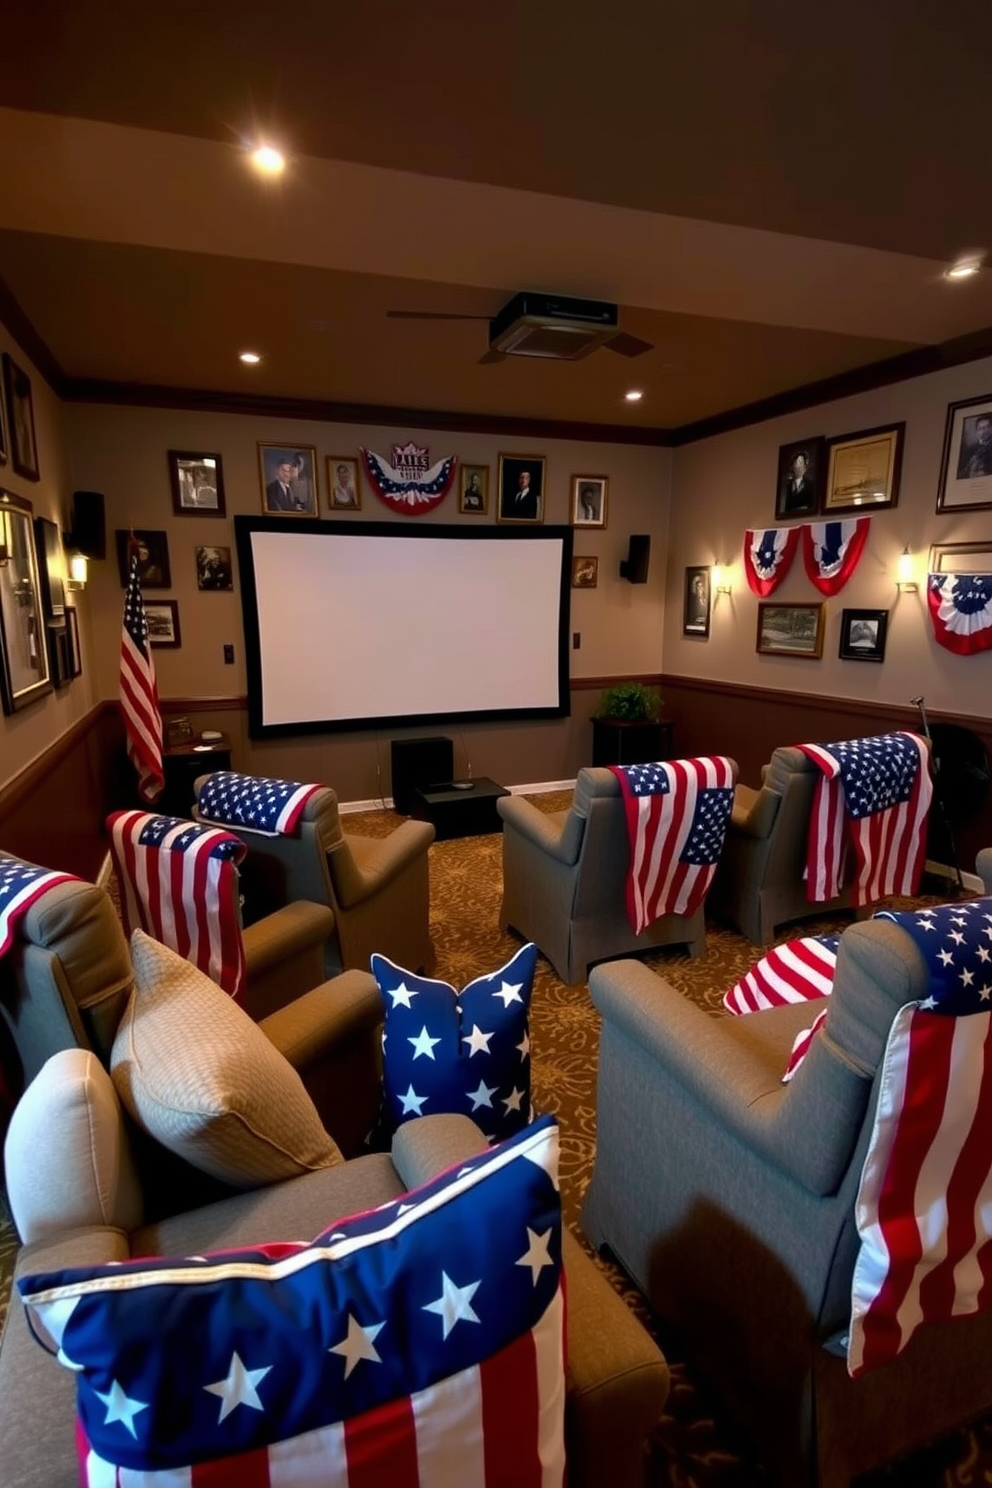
(228, 655)
(576, 639)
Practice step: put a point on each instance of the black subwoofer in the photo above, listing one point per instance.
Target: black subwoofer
(417, 762)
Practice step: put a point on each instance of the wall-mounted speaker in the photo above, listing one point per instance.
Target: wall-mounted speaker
(634, 567)
(417, 762)
(87, 525)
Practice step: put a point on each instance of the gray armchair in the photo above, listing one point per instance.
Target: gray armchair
(378, 888)
(564, 881)
(729, 1198)
(983, 867)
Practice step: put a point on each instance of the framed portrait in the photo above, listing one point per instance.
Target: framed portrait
(521, 480)
(961, 558)
(585, 573)
(696, 602)
(473, 490)
(197, 484)
(864, 468)
(966, 462)
(163, 623)
(801, 468)
(75, 650)
(589, 496)
(213, 569)
(862, 635)
(288, 474)
(51, 569)
(25, 673)
(20, 412)
(152, 548)
(344, 488)
(791, 630)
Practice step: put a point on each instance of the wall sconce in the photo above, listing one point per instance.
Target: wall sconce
(906, 573)
(4, 540)
(77, 572)
(720, 575)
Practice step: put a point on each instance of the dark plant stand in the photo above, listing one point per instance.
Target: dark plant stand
(619, 741)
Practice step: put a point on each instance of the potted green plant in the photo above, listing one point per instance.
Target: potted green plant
(630, 702)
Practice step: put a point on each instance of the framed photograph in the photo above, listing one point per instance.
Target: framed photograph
(25, 674)
(213, 569)
(966, 462)
(3, 432)
(75, 650)
(521, 488)
(152, 548)
(163, 623)
(585, 573)
(289, 479)
(20, 411)
(864, 469)
(344, 488)
(197, 484)
(791, 630)
(51, 569)
(801, 468)
(696, 602)
(589, 494)
(473, 490)
(961, 557)
(862, 635)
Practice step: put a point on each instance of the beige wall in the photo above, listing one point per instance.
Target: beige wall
(725, 485)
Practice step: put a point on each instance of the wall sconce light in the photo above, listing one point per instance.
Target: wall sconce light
(906, 573)
(77, 572)
(4, 540)
(720, 575)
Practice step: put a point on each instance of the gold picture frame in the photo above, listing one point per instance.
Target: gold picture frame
(863, 469)
(791, 630)
(344, 484)
(961, 558)
(288, 477)
(473, 490)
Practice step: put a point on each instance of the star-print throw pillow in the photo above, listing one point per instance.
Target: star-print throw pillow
(464, 1053)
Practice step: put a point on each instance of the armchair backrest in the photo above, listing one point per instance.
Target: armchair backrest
(281, 869)
(792, 777)
(598, 825)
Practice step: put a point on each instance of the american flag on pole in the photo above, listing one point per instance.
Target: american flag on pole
(233, 800)
(878, 791)
(768, 556)
(419, 1345)
(179, 883)
(923, 1209)
(677, 814)
(139, 694)
(20, 885)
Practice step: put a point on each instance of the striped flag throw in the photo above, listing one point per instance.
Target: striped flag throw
(799, 971)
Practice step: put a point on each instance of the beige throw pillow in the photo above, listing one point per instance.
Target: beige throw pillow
(197, 1074)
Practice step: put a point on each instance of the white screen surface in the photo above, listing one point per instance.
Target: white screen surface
(372, 626)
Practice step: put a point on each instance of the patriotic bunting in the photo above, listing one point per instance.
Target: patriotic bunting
(961, 610)
(271, 806)
(768, 557)
(139, 694)
(409, 485)
(832, 550)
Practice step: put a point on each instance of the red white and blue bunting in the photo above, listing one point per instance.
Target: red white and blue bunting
(768, 557)
(409, 484)
(961, 610)
(832, 550)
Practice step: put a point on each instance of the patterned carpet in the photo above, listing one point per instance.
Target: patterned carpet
(695, 1446)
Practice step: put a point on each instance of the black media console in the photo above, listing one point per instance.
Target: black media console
(457, 812)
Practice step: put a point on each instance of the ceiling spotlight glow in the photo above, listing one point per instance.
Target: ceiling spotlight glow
(250, 358)
(268, 161)
(963, 270)
(634, 396)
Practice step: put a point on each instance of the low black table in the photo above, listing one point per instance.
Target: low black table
(460, 813)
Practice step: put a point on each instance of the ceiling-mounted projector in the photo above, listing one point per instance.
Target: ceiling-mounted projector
(556, 326)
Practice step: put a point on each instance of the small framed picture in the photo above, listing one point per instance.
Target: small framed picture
(197, 484)
(966, 463)
(213, 569)
(75, 651)
(521, 488)
(862, 635)
(864, 469)
(473, 490)
(152, 549)
(344, 489)
(288, 474)
(961, 558)
(51, 569)
(791, 630)
(20, 411)
(3, 433)
(585, 573)
(163, 623)
(696, 602)
(801, 469)
(589, 493)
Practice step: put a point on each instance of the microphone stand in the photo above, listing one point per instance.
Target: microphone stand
(939, 794)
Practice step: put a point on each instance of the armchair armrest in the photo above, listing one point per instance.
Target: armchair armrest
(536, 826)
(284, 955)
(983, 867)
(754, 811)
(376, 862)
(426, 1146)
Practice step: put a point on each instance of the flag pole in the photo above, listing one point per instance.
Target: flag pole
(938, 792)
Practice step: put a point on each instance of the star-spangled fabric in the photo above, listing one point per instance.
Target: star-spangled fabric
(420, 1345)
(799, 971)
(413, 493)
(273, 806)
(961, 611)
(677, 814)
(832, 551)
(924, 1207)
(458, 1053)
(179, 883)
(139, 694)
(21, 884)
(768, 556)
(876, 793)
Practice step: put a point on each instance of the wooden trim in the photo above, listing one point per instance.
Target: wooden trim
(202, 705)
(32, 775)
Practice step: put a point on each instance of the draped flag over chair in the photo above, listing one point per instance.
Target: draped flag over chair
(179, 883)
(961, 611)
(20, 885)
(768, 557)
(923, 1210)
(264, 805)
(878, 790)
(832, 550)
(677, 814)
(799, 971)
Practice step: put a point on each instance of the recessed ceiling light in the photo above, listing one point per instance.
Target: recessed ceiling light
(634, 396)
(250, 358)
(963, 270)
(268, 161)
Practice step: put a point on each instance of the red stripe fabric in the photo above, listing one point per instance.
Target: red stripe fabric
(511, 1416)
(381, 1447)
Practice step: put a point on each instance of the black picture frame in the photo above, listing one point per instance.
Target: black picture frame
(696, 600)
(197, 480)
(152, 547)
(862, 635)
(162, 616)
(25, 671)
(51, 569)
(75, 650)
(20, 412)
(585, 572)
(515, 503)
(799, 491)
(213, 569)
(966, 459)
